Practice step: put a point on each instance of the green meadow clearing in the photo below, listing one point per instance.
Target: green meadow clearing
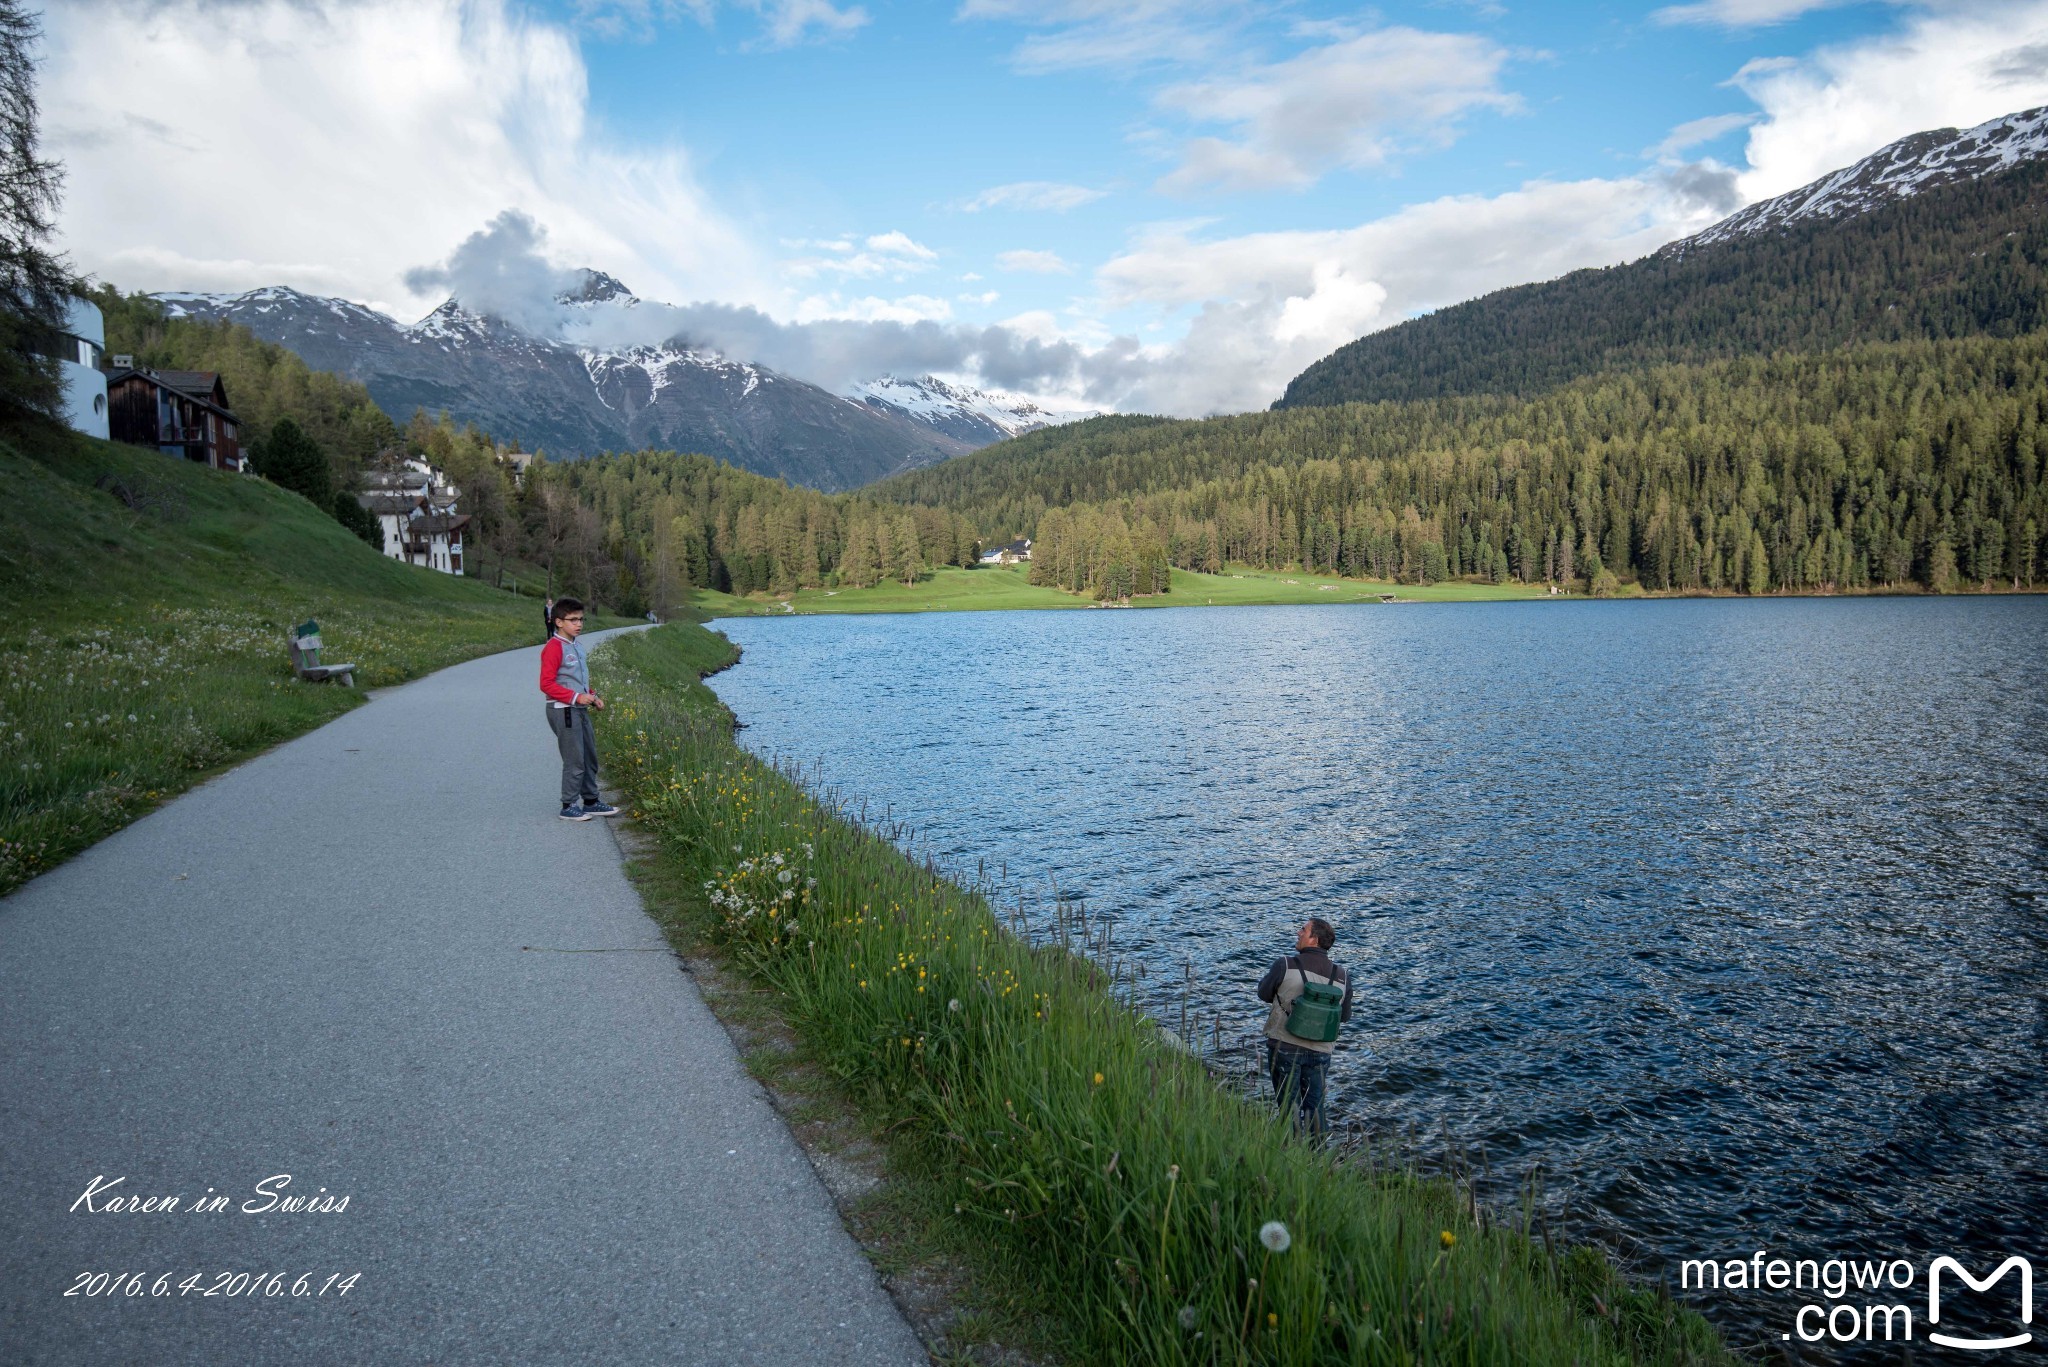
(991, 589)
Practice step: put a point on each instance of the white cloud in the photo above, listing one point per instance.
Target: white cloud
(900, 244)
(984, 298)
(1742, 13)
(1115, 33)
(1034, 194)
(1353, 102)
(1693, 132)
(784, 23)
(332, 146)
(1950, 68)
(893, 253)
(1033, 262)
(792, 21)
(908, 308)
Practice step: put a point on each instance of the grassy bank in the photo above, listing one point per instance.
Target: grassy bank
(990, 588)
(1086, 1155)
(144, 646)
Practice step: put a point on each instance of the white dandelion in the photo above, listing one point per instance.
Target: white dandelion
(1275, 1237)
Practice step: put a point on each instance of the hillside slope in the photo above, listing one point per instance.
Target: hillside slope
(1966, 258)
(144, 645)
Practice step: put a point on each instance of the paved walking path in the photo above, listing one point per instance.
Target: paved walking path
(346, 961)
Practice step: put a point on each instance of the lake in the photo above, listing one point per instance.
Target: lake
(1728, 914)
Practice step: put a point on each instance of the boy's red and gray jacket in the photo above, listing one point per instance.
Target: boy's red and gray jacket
(563, 671)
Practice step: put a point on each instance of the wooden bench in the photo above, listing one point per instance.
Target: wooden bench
(305, 648)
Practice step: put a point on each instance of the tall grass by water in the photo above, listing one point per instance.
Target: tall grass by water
(1092, 1156)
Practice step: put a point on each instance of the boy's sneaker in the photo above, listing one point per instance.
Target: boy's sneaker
(575, 813)
(591, 809)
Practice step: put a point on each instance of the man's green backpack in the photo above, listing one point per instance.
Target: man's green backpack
(1318, 1011)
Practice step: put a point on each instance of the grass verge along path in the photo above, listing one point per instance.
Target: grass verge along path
(1085, 1156)
(144, 646)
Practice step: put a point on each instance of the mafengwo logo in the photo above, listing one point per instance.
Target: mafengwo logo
(1879, 1315)
(2026, 1271)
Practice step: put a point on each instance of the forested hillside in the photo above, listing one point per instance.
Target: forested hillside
(1877, 466)
(675, 522)
(1969, 259)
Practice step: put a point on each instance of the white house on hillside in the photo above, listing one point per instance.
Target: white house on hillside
(80, 346)
(416, 507)
(1009, 554)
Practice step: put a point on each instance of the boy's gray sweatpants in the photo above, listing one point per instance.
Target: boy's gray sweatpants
(578, 745)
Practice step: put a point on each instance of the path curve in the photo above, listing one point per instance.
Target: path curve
(345, 961)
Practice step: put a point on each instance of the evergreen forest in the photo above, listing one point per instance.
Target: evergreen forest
(1886, 466)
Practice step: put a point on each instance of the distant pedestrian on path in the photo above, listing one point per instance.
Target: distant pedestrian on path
(565, 678)
(1311, 998)
(547, 616)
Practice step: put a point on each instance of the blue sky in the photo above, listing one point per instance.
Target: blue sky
(1169, 205)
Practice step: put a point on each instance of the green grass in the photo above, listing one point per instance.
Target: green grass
(144, 649)
(945, 589)
(989, 588)
(1246, 587)
(1085, 1156)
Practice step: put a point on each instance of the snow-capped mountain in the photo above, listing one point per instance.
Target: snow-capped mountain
(569, 396)
(1907, 167)
(976, 416)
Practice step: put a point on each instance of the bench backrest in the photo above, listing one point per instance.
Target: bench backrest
(305, 644)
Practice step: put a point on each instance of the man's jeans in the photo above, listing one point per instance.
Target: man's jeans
(1300, 1081)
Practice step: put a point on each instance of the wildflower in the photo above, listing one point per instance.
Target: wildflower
(1272, 1320)
(1098, 1079)
(953, 1005)
(1173, 1173)
(1447, 1239)
(1275, 1237)
(1189, 1317)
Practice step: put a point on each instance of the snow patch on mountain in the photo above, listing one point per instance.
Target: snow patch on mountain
(660, 367)
(961, 410)
(1907, 167)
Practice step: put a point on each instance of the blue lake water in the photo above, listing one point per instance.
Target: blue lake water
(1728, 914)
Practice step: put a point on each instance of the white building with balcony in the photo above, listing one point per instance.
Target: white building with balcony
(80, 346)
(416, 506)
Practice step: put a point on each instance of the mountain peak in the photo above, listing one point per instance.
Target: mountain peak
(1913, 164)
(595, 287)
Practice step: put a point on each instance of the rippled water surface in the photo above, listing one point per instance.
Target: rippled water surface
(1728, 913)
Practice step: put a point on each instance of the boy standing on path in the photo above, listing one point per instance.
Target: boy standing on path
(1299, 1063)
(565, 678)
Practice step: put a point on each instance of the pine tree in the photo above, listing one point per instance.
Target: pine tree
(292, 460)
(35, 283)
(358, 519)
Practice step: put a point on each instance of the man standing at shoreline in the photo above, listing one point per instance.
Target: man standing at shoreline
(565, 678)
(1311, 998)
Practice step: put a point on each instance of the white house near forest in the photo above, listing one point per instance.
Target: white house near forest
(80, 347)
(1008, 554)
(415, 506)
